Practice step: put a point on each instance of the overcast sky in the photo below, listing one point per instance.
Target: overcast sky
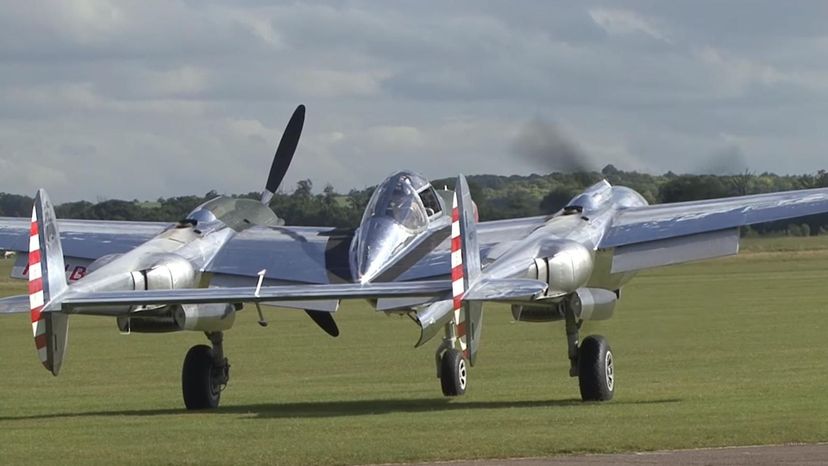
(143, 99)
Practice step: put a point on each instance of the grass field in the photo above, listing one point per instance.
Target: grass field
(728, 352)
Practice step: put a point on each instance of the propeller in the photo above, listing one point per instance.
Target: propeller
(284, 153)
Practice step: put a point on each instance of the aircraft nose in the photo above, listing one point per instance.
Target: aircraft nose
(378, 239)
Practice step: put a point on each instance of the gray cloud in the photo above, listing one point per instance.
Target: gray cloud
(147, 99)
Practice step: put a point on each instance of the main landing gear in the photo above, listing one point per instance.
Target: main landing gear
(452, 368)
(591, 361)
(205, 374)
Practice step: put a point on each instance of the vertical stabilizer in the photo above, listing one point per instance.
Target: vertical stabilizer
(465, 269)
(47, 280)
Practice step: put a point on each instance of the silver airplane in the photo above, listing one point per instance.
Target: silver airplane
(418, 251)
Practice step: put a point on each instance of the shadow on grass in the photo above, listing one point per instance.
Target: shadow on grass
(311, 409)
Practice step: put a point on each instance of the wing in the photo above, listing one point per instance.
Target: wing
(85, 239)
(288, 254)
(665, 234)
(85, 302)
(311, 255)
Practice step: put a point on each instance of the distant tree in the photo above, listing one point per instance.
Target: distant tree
(496, 197)
(556, 200)
(13, 205)
(693, 187)
(304, 189)
(743, 183)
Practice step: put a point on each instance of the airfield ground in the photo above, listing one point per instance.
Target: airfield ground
(728, 352)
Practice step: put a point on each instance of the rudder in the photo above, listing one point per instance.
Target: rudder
(47, 281)
(465, 272)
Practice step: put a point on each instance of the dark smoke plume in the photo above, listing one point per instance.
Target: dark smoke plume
(728, 161)
(543, 145)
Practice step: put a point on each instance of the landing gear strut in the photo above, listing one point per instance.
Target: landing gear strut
(591, 361)
(205, 374)
(451, 365)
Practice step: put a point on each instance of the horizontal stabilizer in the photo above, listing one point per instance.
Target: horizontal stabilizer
(510, 289)
(14, 304)
(81, 303)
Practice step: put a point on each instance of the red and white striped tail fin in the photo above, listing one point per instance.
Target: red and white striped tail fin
(465, 269)
(47, 280)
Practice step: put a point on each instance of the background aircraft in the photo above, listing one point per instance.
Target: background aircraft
(417, 251)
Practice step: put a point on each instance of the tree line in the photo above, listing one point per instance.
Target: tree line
(497, 197)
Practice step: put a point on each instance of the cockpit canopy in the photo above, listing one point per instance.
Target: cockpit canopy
(406, 198)
(399, 211)
(591, 199)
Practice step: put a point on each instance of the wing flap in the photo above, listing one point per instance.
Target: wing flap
(675, 250)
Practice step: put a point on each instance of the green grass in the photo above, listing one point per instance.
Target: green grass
(728, 352)
(784, 243)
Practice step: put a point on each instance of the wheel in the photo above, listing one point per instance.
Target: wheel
(596, 369)
(453, 375)
(198, 380)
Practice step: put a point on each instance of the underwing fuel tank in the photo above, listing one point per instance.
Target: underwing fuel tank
(566, 269)
(588, 304)
(214, 317)
(195, 317)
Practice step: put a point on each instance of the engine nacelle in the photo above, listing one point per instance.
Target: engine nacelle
(205, 317)
(171, 272)
(101, 261)
(565, 270)
(197, 317)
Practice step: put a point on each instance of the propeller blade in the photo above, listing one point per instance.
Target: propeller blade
(325, 321)
(284, 153)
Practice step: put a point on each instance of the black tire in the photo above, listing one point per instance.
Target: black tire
(197, 384)
(453, 373)
(596, 369)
